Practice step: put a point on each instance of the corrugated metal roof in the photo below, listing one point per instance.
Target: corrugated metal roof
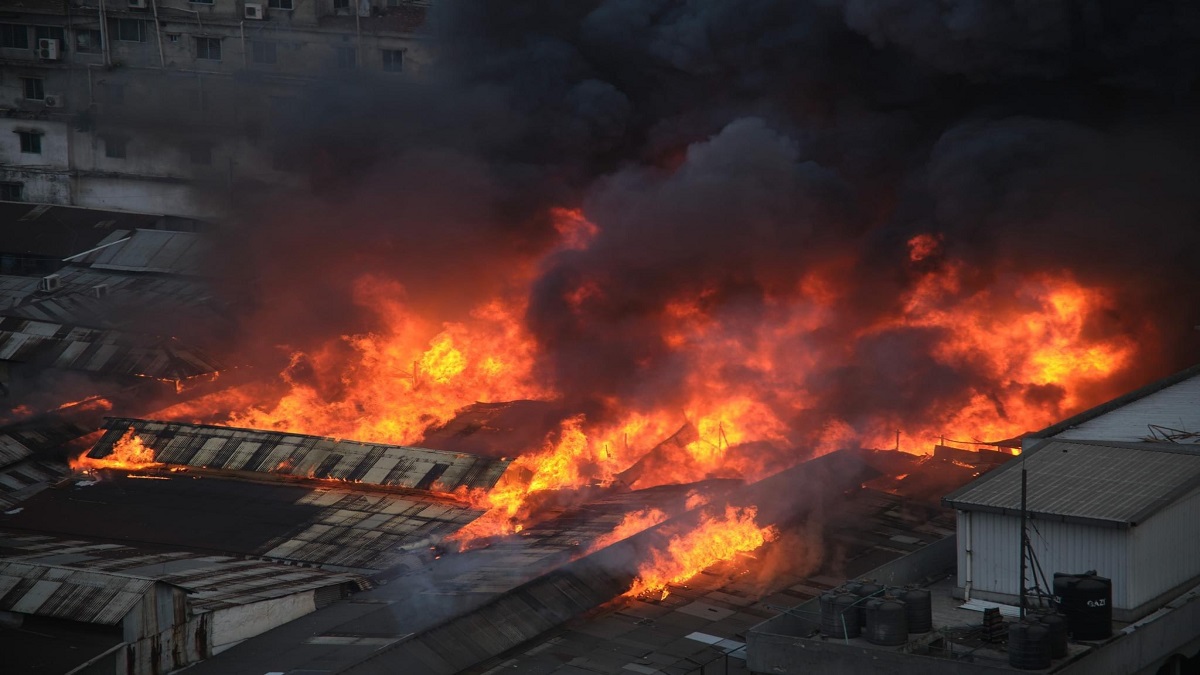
(231, 448)
(1096, 482)
(162, 251)
(212, 581)
(65, 593)
(108, 352)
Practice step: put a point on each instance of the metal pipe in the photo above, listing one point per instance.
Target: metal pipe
(970, 561)
(104, 35)
(162, 60)
(1024, 516)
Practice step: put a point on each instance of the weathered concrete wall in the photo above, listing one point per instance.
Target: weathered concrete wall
(1148, 643)
(234, 624)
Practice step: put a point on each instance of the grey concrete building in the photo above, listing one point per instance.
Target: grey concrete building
(170, 106)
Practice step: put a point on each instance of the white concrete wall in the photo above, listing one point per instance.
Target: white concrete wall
(234, 624)
(54, 144)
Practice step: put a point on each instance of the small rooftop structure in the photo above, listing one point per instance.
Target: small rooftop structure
(1102, 483)
(159, 251)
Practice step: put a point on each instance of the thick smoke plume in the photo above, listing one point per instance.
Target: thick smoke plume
(740, 160)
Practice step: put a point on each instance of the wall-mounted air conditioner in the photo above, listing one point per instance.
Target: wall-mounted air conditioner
(254, 11)
(101, 290)
(53, 100)
(50, 282)
(48, 49)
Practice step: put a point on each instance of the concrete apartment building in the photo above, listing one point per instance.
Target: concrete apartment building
(168, 106)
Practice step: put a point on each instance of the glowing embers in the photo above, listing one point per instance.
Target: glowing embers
(718, 537)
(130, 452)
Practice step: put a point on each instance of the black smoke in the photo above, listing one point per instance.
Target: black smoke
(724, 150)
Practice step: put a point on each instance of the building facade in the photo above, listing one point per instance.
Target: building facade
(170, 106)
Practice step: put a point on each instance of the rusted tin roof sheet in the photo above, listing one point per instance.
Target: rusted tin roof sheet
(301, 456)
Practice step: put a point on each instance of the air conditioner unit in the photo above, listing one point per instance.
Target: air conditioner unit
(53, 100)
(48, 49)
(51, 282)
(137, 4)
(101, 290)
(254, 10)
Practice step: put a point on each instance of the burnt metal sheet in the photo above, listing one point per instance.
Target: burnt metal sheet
(66, 593)
(58, 345)
(300, 456)
(1098, 482)
(106, 580)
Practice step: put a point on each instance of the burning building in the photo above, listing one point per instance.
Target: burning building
(616, 295)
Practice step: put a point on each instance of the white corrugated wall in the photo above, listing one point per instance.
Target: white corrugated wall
(1176, 407)
(1166, 550)
(1059, 547)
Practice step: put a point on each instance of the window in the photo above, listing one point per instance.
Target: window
(31, 142)
(34, 88)
(51, 33)
(393, 60)
(114, 147)
(201, 153)
(279, 4)
(208, 48)
(130, 30)
(11, 192)
(89, 41)
(13, 36)
(262, 52)
(341, 4)
(346, 59)
(201, 2)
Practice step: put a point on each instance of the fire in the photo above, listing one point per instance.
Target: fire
(716, 539)
(743, 404)
(129, 452)
(631, 524)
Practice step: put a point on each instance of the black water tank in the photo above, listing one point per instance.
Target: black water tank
(1028, 646)
(851, 587)
(868, 590)
(886, 622)
(1086, 601)
(840, 616)
(1056, 624)
(920, 610)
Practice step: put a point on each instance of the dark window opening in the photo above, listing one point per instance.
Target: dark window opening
(115, 147)
(208, 48)
(12, 192)
(393, 60)
(279, 4)
(31, 142)
(13, 36)
(34, 88)
(130, 30)
(89, 41)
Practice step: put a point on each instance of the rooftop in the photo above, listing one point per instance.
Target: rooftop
(1112, 484)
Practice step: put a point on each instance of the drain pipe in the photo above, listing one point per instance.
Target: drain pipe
(967, 549)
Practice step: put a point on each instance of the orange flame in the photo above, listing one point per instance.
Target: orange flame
(631, 524)
(715, 539)
(129, 452)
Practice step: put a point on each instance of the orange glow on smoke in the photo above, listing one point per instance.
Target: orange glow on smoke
(717, 538)
(129, 452)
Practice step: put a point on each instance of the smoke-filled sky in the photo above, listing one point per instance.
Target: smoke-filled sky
(729, 150)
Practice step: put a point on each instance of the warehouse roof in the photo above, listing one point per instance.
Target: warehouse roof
(162, 251)
(108, 352)
(66, 593)
(212, 581)
(1103, 483)
(302, 456)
